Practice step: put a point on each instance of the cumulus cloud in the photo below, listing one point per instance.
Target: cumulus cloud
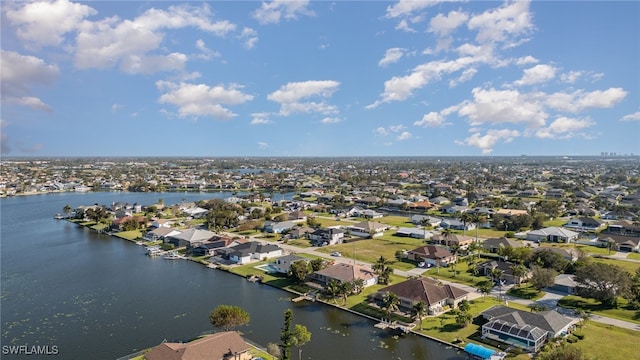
(563, 127)
(250, 37)
(19, 73)
(391, 56)
(405, 135)
(381, 131)
(194, 100)
(44, 23)
(260, 119)
(580, 100)
(271, 12)
(503, 106)
(289, 97)
(127, 43)
(632, 117)
(443, 25)
(537, 74)
(526, 60)
(571, 76)
(432, 119)
(405, 8)
(205, 52)
(505, 24)
(490, 139)
(330, 120)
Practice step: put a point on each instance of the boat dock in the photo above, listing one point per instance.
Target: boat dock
(394, 325)
(307, 296)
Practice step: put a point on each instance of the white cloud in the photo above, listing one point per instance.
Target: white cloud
(18, 73)
(503, 106)
(206, 53)
(262, 145)
(260, 119)
(443, 25)
(392, 55)
(289, 96)
(466, 75)
(405, 135)
(403, 25)
(526, 60)
(407, 7)
(571, 76)
(116, 107)
(580, 100)
(488, 141)
(381, 131)
(432, 119)
(632, 117)
(330, 120)
(537, 74)
(45, 23)
(397, 128)
(127, 43)
(271, 12)
(250, 37)
(202, 100)
(504, 24)
(563, 127)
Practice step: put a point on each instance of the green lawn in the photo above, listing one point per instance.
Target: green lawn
(462, 275)
(486, 233)
(631, 267)
(634, 256)
(398, 221)
(605, 342)
(525, 291)
(555, 222)
(129, 235)
(594, 306)
(324, 222)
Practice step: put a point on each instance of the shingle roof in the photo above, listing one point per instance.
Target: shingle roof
(425, 289)
(347, 272)
(432, 252)
(214, 346)
(550, 320)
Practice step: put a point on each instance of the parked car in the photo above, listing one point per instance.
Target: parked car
(335, 253)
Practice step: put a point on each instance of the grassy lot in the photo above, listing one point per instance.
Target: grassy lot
(398, 221)
(324, 222)
(634, 256)
(594, 306)
(525, 291)
(129, 235)
(631, 267)
(303, 243)
(605, 342)
(486, 233)
(555, 222)
(462, 275)
(99, 227)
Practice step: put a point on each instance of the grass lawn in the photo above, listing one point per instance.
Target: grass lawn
(462, 276)
(525, 291)
(486, 233)
(399, 221)
(635, 256)
(631, 267)
(303, 243)
(555, 222)
(594, 306)
(99, 227)
(324, 222)
(605, 342)
(129, 235)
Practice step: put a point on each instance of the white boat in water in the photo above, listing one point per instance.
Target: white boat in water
(173, 255)
(154, 251)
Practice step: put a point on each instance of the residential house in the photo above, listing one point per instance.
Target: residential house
(452, 240)
(253, 251)
(432, 255)
(584, 223)
(194, 212)
(415, 233)
(433, 294)
(493, 245)
(364, 213)
(511, 212)
(217, 242)
(485, 268)
(453, 209)
(554, 194)
(282, 264)
(525, 329)
(569, 254)
(160, 233)
(190, 238)
(297, 214)
(425, 220)
(225, 345)
(300, 232)
(455, 224)
(367, 229)
(327, 236)
(565, 284)
(278, 227)
(369, 200)
(343, 272)
(552, 234)
(622, 243)
(619, 215)
(421, 205)
(439, 200)
(623, 227)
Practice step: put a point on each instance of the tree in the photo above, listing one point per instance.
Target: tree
(357, 285)
(382, 269)
(464, 306)
(317, 264)
(542, 277)
(463, 318)
(562, 353)
(419, 311)
(299, 271)
(313, 222)
(301, 336)
(345, 289)
(549, 259)
(66, 209)
(633, 292)
(466, 218)
(485, 287)
(286, 336)
(519, 271)
(496, 274)
(333, 289)
(390, 302)
(603, 282)
(478, 219)
(455, 249)
(227, 317)
(446, 234)
(274, 350)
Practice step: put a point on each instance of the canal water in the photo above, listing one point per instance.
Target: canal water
(95, 296)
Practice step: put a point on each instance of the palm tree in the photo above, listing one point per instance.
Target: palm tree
(358, 285)
(333, 289)
(382, 269)
(518, 272)
(419, 311)
(496, 274)
(446, 234)
(344, 289)
(66, 210)
(477, 220)
(390, 302)
(454, 251)
(474, 247)
(466, 218)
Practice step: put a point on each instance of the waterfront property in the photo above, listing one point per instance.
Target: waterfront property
(219, 346)
(342, 272)
(253, 251)
(282, 264)
(437, 297)
(506, 267)
(524, 329)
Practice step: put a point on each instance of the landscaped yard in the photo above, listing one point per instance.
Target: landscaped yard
(605, 342)
(634, 256)
(525, 291)
(462, 275)
(129, 235)
(594, 306)
(631, 267)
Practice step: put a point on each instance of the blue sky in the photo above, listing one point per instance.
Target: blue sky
(320, 78)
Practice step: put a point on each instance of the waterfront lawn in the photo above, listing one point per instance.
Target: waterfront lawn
(623, 312)
(98, 227)
(608, 342)
(129, 235)
(525, 291)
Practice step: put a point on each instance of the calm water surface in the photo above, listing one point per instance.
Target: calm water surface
(95, 296)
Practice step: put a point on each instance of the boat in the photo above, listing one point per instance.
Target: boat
(154, 251)
(58, 216)
(173, 255)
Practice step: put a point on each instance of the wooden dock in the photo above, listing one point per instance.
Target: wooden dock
(307, 296)
(394, 325)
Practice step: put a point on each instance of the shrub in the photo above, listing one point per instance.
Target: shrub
(579, 335)
(572, 339)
